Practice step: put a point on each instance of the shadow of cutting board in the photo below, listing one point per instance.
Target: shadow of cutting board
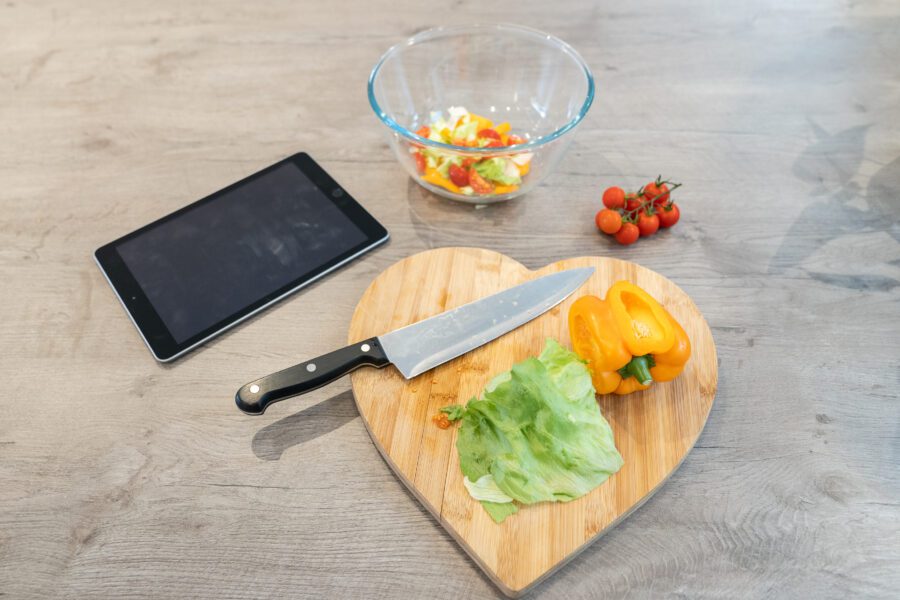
(654, 430)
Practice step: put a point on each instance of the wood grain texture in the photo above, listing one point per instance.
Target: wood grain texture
(654, 429)
(123, 478)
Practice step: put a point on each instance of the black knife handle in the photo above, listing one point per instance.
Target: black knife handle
(256, 396)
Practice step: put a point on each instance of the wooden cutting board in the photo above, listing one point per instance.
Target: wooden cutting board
(654, 430)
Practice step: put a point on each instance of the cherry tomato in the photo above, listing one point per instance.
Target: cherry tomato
(629, 234)
(608, 221)
(668, 215)
(632, 201)
(479, 184)
(647, 224)
(420, 161)
(650, 190)
(468, 162)
(459, 176)
(660, 192)
(614, 197)
(515, 140)
(424, 131)
(662, 200)
(489, 134)
(494, 144)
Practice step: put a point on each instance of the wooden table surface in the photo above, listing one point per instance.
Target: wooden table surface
(121, 477)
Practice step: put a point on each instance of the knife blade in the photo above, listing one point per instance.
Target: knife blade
(420, 346)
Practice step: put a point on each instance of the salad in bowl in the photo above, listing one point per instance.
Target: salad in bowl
(475, 175)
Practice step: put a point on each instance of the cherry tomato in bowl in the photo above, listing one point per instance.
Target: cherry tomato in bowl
(459, 175)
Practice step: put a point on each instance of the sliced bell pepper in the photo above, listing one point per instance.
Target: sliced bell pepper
(630, 384)
(643, 323)
(629, 340)
(505, 189)
(502, 128)
(432, 176)
(482, 122)
(523, 169)
(671, 362)
(595, 338)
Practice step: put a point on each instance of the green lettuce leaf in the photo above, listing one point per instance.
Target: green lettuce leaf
(486, 489)
(499, 511)
(499, 169)
(538, 433)
(454, 412)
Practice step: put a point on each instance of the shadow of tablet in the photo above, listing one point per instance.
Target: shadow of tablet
(273, 440)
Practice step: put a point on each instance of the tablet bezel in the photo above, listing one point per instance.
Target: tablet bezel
(148, 322)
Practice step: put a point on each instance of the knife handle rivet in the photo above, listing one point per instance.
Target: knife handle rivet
(311, 367)
(254, 388)
(365, 347)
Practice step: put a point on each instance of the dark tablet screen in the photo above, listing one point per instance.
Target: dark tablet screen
(219, 257)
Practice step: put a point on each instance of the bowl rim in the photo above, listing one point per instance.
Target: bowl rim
(445, 31)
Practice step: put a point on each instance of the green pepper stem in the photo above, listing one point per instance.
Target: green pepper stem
(639, 368)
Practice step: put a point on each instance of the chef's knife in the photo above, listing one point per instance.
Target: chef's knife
(421, 346)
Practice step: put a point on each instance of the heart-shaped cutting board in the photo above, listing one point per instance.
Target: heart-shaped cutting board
(654, 429)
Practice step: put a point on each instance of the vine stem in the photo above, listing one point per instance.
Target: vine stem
(630, 214)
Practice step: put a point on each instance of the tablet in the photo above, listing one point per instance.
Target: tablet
(194, 273)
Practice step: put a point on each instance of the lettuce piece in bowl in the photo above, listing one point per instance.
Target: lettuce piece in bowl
(499, 169)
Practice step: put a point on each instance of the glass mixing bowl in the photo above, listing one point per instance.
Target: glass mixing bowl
(510, 74)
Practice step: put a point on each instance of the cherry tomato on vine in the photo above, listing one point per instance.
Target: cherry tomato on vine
(668, 215)
(632, 201)
(608, 221)
(651, 191)
(629, 234)
(614, 197)
(647, 224)
(664, 198)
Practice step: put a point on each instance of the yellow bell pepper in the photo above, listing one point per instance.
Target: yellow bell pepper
(505, 189)
(629, 340)
(671, 362)
(595, 338)
(523, 169)
(433, 177)
(482, 122)
(502, 128)
(643, 323)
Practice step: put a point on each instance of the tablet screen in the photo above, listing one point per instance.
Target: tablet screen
(218, 257)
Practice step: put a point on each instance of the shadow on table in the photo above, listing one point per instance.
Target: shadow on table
(271, 441)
